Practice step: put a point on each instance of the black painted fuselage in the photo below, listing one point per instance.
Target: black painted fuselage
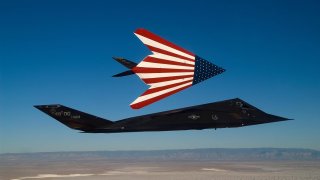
(223, 114)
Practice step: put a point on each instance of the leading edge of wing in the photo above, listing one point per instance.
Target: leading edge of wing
(156, 43)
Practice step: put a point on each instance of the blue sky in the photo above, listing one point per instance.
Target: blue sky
(60, 52)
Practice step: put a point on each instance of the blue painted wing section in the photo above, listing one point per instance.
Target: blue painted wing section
(205, 70)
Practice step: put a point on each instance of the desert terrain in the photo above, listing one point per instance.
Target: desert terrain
(177, 164)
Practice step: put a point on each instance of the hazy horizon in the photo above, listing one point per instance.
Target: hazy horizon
(147, 150)
(224, 164)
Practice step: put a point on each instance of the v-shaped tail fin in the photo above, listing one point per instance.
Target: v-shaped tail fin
(126, 63)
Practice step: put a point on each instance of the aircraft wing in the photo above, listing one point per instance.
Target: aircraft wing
(73, 118)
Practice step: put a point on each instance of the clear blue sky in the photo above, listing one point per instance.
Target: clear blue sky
(60, 52)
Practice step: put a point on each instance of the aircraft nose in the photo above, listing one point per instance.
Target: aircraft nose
(273, 118)
(264, 118)
(205, 70)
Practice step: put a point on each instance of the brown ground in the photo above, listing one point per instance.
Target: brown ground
(184, 170)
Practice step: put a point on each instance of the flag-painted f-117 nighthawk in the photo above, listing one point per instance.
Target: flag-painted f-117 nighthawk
(168, 70)
(223, 114)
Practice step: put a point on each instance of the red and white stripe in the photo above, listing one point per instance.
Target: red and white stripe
(168, 70)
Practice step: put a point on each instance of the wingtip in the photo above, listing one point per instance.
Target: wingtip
(285, 119)
(135, 106)
(288, 119)
(139, 30)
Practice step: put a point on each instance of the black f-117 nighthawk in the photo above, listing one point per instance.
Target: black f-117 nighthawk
(223, 114)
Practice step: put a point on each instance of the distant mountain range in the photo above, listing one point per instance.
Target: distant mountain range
(209, 154)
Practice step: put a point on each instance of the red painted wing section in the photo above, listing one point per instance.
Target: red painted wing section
(168, 70)
(150, 35)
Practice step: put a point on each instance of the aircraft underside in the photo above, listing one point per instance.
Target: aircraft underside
(223, 114)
